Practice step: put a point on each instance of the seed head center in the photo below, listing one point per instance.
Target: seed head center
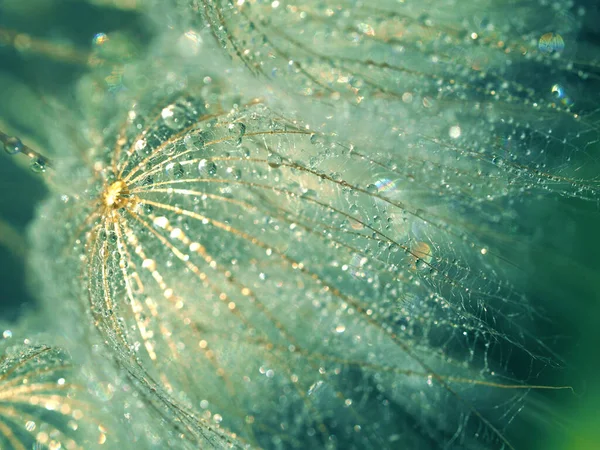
(117, 195)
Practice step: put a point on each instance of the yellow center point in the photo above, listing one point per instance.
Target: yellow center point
(117, 195)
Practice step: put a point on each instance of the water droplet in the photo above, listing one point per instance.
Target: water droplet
(245, 152)
(161, 222)
(371, 189)
(38, 165)
(174, 116)
(30, 425)
(13, 145)
(100, 39)
(560, 94)
(7, 334)
(498, 161)
(425, 19)
(235, 173)
(194, 141)
(454, 132)
(313, 139)
(238, 128)
(174, 170)
(207, 167)
(140, 145)
(274, 160)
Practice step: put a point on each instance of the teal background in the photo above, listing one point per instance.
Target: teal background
(562, 281)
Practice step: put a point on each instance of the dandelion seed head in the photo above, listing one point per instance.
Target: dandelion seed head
(271, 267)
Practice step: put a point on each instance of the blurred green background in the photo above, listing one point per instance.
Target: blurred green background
(563, 280)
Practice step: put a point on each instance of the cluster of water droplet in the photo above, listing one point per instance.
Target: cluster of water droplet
(41, 403)
(422, 78)
(284, 283)
(14, 146)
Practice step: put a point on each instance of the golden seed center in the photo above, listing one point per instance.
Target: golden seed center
(117, 195)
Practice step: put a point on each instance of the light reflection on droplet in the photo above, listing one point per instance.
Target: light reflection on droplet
(560, 93)
(551, 43)
(385, 185)
(454, 132)
(173, 116)
(100, 39)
